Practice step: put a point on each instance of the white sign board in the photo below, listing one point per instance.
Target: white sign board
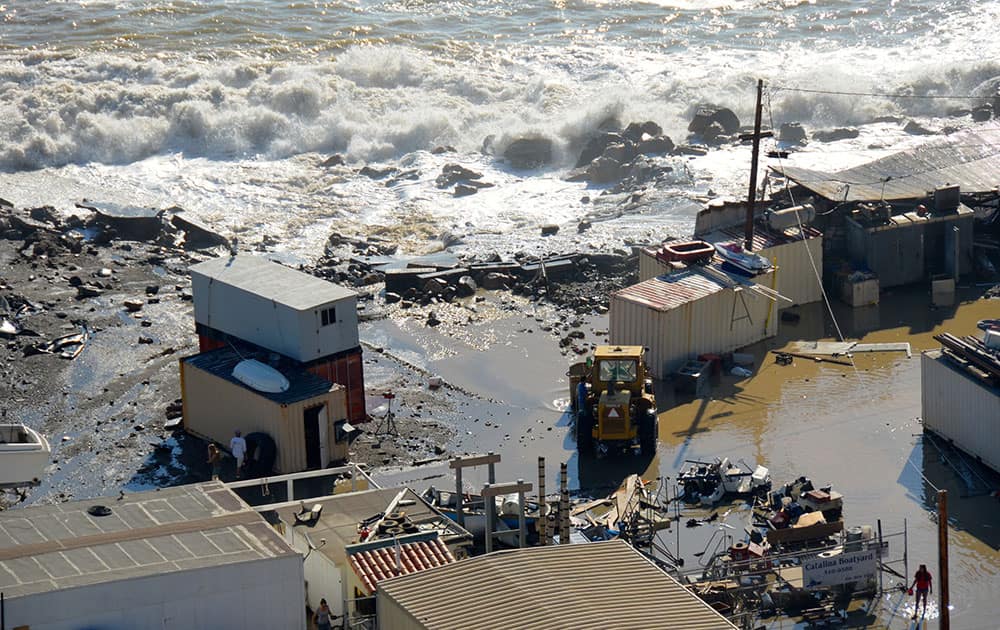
(839, 568)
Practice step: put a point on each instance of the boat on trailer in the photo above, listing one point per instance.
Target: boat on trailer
(24, 454)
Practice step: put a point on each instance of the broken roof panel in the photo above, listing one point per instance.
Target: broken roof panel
(970, 159)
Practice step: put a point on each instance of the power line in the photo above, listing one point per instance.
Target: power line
(778, 88)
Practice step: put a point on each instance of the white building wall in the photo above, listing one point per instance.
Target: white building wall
(318, 341)
(960, 409)
(323, 577)
(704, 325)
(257, 594)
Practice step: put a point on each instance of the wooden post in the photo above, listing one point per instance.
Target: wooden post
(490, 504)
(752, 196)
(563, 506)
(945, 623)
(492, 468)
(543, 508)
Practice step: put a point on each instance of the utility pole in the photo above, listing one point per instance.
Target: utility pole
(757, 135)
(945, 622)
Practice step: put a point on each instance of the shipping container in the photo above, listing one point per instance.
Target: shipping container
(796, 276)
(689, 313)
(960, 408)
(306, 422)
(275, 307)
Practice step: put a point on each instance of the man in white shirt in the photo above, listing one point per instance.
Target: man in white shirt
(238, 447)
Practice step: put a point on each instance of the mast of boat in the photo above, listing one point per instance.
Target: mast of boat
(756, 136)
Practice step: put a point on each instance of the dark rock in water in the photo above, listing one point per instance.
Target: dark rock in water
(713, 133)
(709, 114)
(143, 339)
(87, 291)
(583, 226)
(377, 173)
(633, 132)
(152, 289)
(466, 286)
(549, 230)
(578, 174)
(133, 306)
(651, 129)
(445, 148)
(529, 152)
(887, 119)
(959, 112)
(604, 170)
(454, 173)
(656, 145)
(435, 286)
(392, 298)
(432, 319)
(982, 113)
(792, 133)
(334, 160)
(621, 152)
(832, 135)
(690, 149)
(596, 146)
(464, 190)
(75, 281)
(5, 204)
(45, 214)
(916, 129)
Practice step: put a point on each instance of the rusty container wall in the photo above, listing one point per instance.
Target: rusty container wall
(649, 266)
(960, 408)
(705, 323)
(345, 369)
(795, 277)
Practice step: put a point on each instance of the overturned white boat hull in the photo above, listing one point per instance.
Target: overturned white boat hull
(24, 454)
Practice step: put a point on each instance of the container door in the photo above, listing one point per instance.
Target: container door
(311, 418)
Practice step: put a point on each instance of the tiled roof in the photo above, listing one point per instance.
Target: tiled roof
(384, 559)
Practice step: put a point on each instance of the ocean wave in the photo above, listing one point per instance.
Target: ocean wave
(382, 102)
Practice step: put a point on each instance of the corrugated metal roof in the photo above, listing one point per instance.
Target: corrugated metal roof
(968, 158)
(302, 385)
(594, 585)
(272, 281)
(383, 559)
(664, 293)
(763, 238)
(54, 547)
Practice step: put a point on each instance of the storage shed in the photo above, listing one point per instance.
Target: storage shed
(307, 422)
(688, 313)
(256, 301)
(179, 558)
(593, 585)
(794, 275)
(960, 407)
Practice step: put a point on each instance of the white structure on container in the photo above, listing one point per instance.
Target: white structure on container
(960, 408)
(688, 313)
(181, 558)
(275, 307)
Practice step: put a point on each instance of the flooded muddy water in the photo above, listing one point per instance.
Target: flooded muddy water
(857, 428)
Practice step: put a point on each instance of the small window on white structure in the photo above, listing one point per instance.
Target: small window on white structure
(328, 316)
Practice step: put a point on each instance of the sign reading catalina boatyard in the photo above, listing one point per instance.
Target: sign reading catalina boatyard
(831, 569)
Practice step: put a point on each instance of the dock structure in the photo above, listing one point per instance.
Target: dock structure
(187, 557)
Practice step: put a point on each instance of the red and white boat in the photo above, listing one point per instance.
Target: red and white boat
(685, 251)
